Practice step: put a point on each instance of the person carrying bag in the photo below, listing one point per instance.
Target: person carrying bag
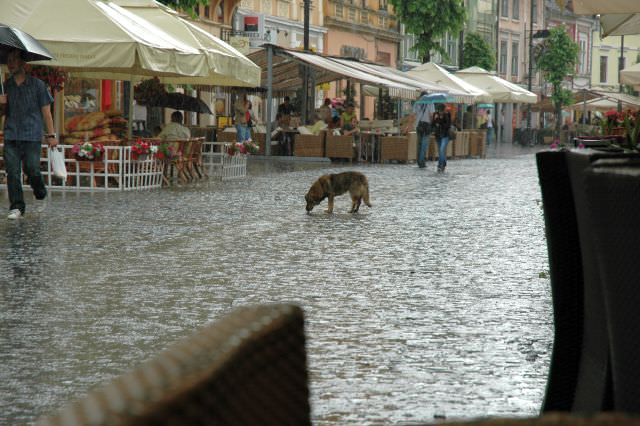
(442, 128)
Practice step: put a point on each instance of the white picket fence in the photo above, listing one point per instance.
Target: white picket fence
(116, 171)
(219, 164)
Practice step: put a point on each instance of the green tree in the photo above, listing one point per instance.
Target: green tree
(188, 6)
(429, 21)
(477, 52)
(557, 57)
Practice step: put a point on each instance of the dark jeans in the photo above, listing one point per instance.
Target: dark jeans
(27, 153)
(423, 130)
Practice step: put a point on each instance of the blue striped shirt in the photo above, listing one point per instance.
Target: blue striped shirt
(24, 120)
(423, 112)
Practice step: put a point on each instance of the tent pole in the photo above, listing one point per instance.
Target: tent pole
(267, 148)
(130, 101)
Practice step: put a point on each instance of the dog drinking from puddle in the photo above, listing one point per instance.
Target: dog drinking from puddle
(330, 185)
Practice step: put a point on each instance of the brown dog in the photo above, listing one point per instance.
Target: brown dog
(328, 186)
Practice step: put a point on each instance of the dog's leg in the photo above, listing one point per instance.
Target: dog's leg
(366, 196)
(358, 204)
(354, 204)
(330, 207)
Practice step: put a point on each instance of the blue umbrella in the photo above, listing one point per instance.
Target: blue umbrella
(434, 98)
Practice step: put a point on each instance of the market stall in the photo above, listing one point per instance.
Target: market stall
(99, 45)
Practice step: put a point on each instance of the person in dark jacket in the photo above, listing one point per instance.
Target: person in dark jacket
(441, 122)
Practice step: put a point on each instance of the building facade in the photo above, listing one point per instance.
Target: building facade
(606, 55)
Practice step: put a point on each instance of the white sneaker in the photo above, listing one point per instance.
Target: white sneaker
(14, 214)
(39, 205)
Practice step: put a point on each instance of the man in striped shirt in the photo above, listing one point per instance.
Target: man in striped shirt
(422, 117)
(26, 105)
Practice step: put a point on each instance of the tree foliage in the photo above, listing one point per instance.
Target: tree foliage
(477, 52)
(557, 57)
(188, 6)
(429, 21)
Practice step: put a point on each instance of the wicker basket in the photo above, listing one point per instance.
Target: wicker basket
(399, 148)
(309, 145)
(248, 368)
(225, 136)
(339, 147)
(261, 140)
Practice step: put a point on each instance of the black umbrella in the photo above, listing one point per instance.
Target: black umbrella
(12, 38)
(182, 102)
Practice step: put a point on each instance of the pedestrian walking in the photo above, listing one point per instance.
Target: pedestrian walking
(422, 117)
(441, 123)
(240, 109)
(489, 125)
(26, 105)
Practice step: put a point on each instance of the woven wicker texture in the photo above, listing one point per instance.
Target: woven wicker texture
(249, 368)
(558, 419)
(309, 145)
(613, 196)
(399, 148)
(565, 270)
(339, 147)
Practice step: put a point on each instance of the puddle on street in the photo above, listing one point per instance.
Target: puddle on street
(430, 303)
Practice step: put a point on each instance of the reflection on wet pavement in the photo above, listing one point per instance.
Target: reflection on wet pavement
(431, 303)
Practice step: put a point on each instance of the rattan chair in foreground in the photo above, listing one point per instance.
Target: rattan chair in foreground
(249, 368)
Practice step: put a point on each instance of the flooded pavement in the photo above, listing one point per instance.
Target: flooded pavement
(434, 302)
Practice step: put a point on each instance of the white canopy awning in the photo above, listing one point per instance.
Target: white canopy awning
(631, 75)
(395, 75)
(594, 7)
(287, 75)
(600, 104)
(460, 90)
(499, 89)
(101, 39)
(618, 24)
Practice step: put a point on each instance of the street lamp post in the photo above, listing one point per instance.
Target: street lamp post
(530, 69)
(305, 73)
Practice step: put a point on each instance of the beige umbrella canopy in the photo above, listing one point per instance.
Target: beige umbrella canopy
(500, 90)
(463, 91)
(594, 7)
(618, 24)
(99, 39)
(631, 75)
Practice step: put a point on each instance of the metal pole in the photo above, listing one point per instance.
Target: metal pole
(305, 72)
(529, 82)
(620, 67)
(267, 148)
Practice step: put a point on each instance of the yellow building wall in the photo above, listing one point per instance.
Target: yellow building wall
(609, 48)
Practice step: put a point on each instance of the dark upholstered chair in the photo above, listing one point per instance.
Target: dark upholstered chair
(247, 369)
(580, 374)
(613, 197)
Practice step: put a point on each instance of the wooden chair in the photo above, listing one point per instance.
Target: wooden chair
(249, 368)
(177, 163)
(194, 161)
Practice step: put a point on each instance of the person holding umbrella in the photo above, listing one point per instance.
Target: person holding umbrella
(25, 101)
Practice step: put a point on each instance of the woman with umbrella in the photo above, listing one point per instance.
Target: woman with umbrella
(26, 103)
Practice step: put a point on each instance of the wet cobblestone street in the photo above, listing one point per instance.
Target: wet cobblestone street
(434, 302)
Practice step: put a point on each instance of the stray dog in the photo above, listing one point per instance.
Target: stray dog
(328, 186)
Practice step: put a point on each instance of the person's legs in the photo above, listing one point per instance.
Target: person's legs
(32, 168)
(423, 139)
(442, 153)
(239, 133)
(13, 160)
(489, 136)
